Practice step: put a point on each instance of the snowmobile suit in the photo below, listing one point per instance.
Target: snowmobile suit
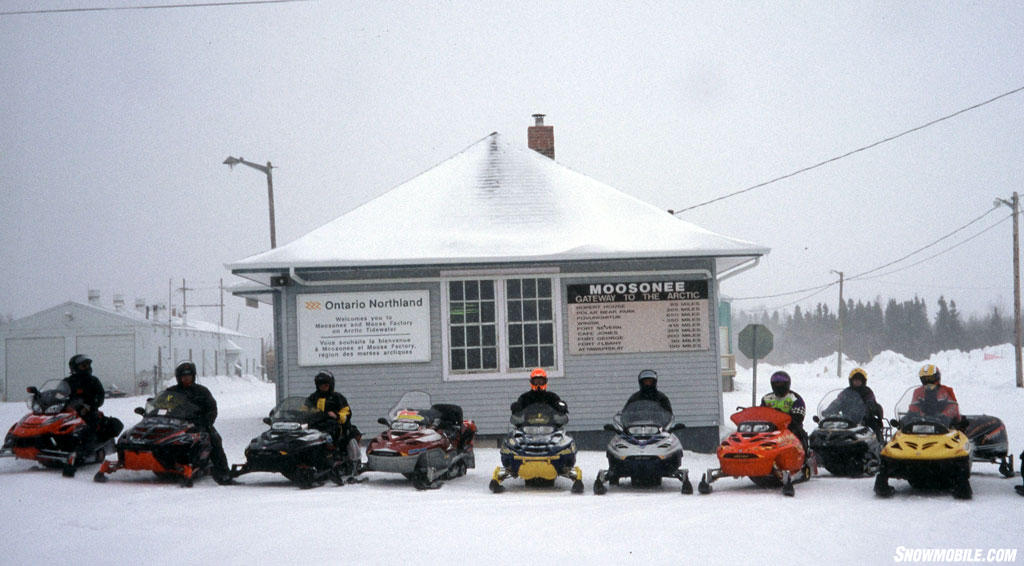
(201, 397)
(332, 402)
(540, 396)
(938, 401)
(87, 396)
(793, 405)
(873, 417)
(651, 394)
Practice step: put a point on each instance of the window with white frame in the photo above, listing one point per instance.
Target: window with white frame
(501, 325)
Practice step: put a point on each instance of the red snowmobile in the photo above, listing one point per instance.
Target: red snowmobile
(53, 434)
(763, 449)
(166, 442)
(427, 443)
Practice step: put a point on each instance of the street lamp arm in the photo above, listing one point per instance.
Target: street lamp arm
(232, 161)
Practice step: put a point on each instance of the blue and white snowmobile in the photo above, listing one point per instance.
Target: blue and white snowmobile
(538, 450)
(644, 448)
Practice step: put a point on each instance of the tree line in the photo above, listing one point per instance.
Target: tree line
(868, 328)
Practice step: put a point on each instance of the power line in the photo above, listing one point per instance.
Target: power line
(849, 153)
(149, 7)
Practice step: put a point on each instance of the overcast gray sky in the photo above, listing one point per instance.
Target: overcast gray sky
(114, 126)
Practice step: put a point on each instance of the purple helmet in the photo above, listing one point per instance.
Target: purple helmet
(780, 383)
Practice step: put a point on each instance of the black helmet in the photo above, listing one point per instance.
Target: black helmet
(79, 359)
(650, 376)
(858, 372)
(780, 383)
(185, 368)
(324, 377)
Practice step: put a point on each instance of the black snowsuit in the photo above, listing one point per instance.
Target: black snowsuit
(332, 402)
(539, 396)
(202, 398)
(651, 394)
(87, 396)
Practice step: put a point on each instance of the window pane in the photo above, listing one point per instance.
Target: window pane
(529, 310)
(473, 358)
(544, 310)
(543, 287)
(547, 356)
(547, 334)
(455, 290)
(515, 311)
(458, 337)
(458, 360)
(529, 333)
(515, 357)
(472, 290)
(530, 356)
(472, 312)
(472, 335)
(456, 311)
(488, 336)
(529, 288)
(487, 312)
(487, 290)
(490, 358)
(514, 291)
(515, 334)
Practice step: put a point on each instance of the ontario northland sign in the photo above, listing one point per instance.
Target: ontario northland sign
(363, 328)
(649, 316)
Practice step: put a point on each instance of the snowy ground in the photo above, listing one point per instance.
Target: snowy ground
(134, 519)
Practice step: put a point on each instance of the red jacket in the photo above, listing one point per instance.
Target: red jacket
(940, 401)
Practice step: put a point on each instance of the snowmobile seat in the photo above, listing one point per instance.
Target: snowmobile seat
(451, 415)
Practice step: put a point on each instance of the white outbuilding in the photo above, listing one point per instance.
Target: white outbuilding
(462, 280)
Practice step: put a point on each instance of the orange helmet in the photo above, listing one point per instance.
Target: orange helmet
(539, 380)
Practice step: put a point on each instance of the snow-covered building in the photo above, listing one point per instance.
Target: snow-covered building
(462, 280)
(128, 346)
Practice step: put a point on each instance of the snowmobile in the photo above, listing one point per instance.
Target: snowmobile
(427, 443)
(926, 450)
(1020, 488)
(644, 448)
(763, 449)
(842, 443)
(167, 442)
(53, 434)
(298, 447)
(538, 450)
(988, 434)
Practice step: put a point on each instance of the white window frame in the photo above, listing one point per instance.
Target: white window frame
(500, 279)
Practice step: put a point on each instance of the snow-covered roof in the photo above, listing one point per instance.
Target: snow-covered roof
(132, 317)
(500, 202)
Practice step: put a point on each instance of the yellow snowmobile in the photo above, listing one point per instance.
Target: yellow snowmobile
(927, 449)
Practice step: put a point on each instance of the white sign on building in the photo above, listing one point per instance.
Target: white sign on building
(363, 328)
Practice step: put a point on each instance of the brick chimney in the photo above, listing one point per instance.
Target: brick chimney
(541, 138)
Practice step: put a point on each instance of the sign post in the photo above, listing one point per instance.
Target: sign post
(756, 342)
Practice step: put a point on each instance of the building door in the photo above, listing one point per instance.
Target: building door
(113, 359)
(31, 361)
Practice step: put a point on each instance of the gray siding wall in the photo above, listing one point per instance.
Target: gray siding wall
(594, 386)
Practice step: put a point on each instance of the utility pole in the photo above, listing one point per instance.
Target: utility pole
(842, 308)
(1014, 204)
(268, 171)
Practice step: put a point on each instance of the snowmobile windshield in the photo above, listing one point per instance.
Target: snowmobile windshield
(920, 411)
(52, 398)
(174, 405)
(539, 415)
(643, 418)
(841, 405)
(295, 410)
(411, 402)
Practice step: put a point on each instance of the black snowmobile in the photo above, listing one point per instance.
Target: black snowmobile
(991, 444)
(843, 443)
(298, 446)
(643, 449)
(1020, 488)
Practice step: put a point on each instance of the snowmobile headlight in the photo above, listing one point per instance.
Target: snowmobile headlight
(557, 438)
(285, 426)
(538, 429)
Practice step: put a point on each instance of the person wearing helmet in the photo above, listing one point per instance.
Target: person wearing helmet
(784, 399)
(539, 393)
(933, 398)
(87, 395)
(200, 396)
(858, 388)
(326, 400)
(648, 380)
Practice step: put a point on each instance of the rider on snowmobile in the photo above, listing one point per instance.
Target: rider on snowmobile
(200, 396)
(326, 400)
(87, 396)
(539, 393)
(790, 402)
(648, 380)
(859, 386)
(933, 398)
